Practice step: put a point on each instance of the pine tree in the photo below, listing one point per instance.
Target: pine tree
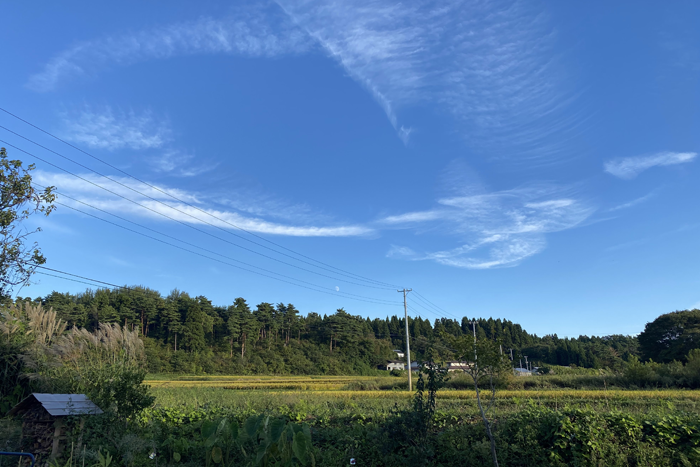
(193, 330)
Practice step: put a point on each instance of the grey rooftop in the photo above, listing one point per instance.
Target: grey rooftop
(59, 405)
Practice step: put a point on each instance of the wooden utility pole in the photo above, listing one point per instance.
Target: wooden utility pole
(408, 345)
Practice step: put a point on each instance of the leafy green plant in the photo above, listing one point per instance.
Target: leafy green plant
(220, 438)
(262, 441)
(19, 199)
(485, 362)
(103, 460)
(278, 442)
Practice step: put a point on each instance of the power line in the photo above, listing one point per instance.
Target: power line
(426, 304)
(67, 278)
(341, 294)
(422, 306)
(173, 208)
(178, 221)
(345, 273)
(434, 305)
(345, 294)
(81, 277)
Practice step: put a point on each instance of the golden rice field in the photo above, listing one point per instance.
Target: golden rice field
(304, 383)
(337, 387)
(564, 394)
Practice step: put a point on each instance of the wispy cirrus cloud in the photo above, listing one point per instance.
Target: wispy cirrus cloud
(629, 167)
(632, 203)
(497, 229)
(112, 130)
(180, 164)
(489, 64)
(152, 199)
(105, 128)
(253, 32)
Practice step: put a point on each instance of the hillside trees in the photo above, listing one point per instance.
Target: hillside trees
(274, 336)
(671, 336)
(193, 329)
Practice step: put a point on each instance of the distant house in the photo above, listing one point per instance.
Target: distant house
(457, 366)
(522, 372)
(394, 365)
(399, 353)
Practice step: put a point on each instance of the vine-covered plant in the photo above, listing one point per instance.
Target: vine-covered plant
(263, 441)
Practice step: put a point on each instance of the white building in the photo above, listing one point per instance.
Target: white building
(399, 353)
(458, 366)
(394, 365)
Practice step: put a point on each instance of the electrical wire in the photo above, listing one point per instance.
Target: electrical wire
(67, 278)
(81, 277)
(345, 273)
(427, 309)
(431, 303)
(333, 269)
(336, 294)
(181, 222)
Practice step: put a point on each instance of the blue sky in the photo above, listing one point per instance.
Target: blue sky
(535, 161)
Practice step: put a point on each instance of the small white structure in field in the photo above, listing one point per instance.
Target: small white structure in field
(394, 365)
(458, 366)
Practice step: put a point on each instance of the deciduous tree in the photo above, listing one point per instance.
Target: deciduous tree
(19, 199)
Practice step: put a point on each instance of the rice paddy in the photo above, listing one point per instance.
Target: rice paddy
(382, 393)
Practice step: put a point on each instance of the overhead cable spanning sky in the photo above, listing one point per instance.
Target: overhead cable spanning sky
(523, 160)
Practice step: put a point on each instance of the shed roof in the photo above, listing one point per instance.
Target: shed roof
(59, 405)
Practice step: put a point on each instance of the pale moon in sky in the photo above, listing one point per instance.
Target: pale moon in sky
(337, 289)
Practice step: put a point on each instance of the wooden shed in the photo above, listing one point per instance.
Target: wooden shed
(44, 419)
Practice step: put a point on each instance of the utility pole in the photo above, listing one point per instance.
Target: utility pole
(408, 345)
(525, 361)
(474, 331)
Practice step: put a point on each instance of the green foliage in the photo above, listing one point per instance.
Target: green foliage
(26, 332)
(191, 335)
(619, 432)
(410, 434)
(19, 199)
(14, 339)
(193, 330)
(671, 336)
(103, 460)
(106, 364)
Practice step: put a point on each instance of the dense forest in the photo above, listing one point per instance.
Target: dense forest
(190, 334)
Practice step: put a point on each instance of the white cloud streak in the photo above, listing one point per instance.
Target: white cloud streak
(490, 64)
(629, 167)
(249, 33)
(499, 229)
(95, 196)
(632, 203)
(112, 130)
(179, 164)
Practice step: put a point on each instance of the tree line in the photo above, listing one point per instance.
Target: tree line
(186, 333)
